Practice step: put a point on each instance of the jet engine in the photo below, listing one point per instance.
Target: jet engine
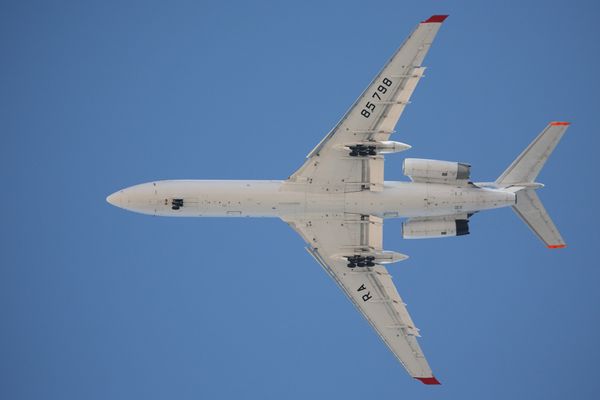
(434, 228)
(435, 171)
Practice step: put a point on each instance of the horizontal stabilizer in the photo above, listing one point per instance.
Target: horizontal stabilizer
(526, 167)
(532, 212)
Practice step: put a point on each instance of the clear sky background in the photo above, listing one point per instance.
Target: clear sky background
(99, 303)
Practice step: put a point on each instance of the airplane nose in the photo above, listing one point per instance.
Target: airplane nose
(116, 199)
(138, 198)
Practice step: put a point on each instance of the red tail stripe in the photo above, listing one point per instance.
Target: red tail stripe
(557, 246)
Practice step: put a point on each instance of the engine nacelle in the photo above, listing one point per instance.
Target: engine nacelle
(434, 228)
(435, 170)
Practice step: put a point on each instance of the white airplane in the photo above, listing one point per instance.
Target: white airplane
(337, 200)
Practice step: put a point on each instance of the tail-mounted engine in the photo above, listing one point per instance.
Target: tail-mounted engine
(435, 171)
(417, 228)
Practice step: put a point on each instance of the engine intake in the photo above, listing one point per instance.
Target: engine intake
(435, 170)
(434, 228)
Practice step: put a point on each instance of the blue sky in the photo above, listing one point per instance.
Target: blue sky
(98, 303)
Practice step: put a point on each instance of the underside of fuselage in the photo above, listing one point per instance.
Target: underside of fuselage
(214, 198)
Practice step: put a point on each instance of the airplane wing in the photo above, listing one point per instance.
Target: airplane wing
(371, 118)
(339, 241)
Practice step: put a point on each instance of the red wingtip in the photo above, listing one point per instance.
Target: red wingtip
(429, 381)
(560, 123)
(557, 246)
(435, 19)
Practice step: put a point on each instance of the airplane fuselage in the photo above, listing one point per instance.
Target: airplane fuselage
(276, 198)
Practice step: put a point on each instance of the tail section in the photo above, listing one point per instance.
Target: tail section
(528, 165)
(520, 178)
(531, 210)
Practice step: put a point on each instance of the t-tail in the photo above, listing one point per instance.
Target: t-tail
(520, 178)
